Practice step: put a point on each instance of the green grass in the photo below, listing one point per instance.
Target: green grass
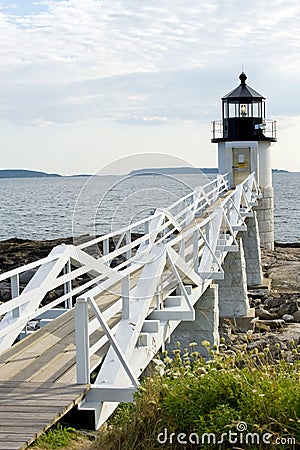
(197, 396)
(56, 437)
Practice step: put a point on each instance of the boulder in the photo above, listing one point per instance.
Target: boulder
(288, 318)
(5, 295)
(296, 316)
(272, 302)
(288, 308)
(265, 325)
(260, 344)
(283, 267)
(263, 314)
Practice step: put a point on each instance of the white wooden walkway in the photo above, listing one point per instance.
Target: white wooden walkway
(123, 315)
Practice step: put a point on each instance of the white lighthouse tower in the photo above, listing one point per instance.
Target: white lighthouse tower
(244, 138)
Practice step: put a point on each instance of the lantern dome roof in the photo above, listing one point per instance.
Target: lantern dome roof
(243, 91)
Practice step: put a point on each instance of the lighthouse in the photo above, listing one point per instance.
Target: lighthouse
(245, 137)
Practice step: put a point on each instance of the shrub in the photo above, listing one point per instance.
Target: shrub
(247, 393)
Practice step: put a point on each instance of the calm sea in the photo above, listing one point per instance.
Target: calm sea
(48, 208)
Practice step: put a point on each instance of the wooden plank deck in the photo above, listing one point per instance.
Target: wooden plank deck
(29, 408)
(38, 374)
(38, 379)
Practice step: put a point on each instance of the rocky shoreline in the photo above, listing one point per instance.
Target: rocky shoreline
(276, 324)
(277, 310)
(17, 252)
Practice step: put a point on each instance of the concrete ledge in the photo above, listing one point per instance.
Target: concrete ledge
(266, 284)
(240, 323)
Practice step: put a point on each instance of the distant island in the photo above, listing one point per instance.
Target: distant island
(184, 170)
(20, 173)
(174, 170)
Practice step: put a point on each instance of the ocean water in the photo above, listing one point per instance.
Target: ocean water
(287, 206)
(48, 208)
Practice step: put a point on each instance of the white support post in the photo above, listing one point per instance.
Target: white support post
(210, 265)
(187, 219)
(182, 248)
(235, 209)
(82, 341)
(146, 231)
(195, 202)
(106, 246)
(183, 289)
(15, 292)
(158, 296)
(228, 212)
(128, 241)
(68, 286)
(195, 250)
(126, 297)
(207, 232)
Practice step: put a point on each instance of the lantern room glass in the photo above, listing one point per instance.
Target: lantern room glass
(235, 109)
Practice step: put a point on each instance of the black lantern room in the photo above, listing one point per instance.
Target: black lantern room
(243, 116)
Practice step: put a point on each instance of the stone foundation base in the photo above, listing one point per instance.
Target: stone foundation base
(265, 217)
(205, 327)
(251, 244)
(233, 298)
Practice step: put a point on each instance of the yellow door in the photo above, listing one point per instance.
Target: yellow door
(240, 164)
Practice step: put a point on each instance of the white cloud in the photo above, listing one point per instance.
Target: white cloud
(90, 39)
(143, 63)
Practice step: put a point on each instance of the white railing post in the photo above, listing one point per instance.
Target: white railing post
(126, 297)
(128, 241)
(157, 297)
(228, 210)
(146, 232)
(82, 341)
(207, 231)
(182, 248)
(195, 250)
(68, 285)
(15, 292)
(105, 247)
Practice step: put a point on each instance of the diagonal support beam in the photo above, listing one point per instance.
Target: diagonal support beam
(113, 342)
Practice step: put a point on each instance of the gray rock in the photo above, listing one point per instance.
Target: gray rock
(288, 308)
(296, 316)
(263, 314)
(286, 275)
(275, 314)
(288, 318)
(5, 295)
(261, 343)
(257, 293)
(265, 325)
(225, 330)
(274, 302)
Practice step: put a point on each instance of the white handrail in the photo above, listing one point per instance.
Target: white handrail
(181, 213)
(182, 249)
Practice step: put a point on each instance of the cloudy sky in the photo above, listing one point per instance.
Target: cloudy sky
(87, 82)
